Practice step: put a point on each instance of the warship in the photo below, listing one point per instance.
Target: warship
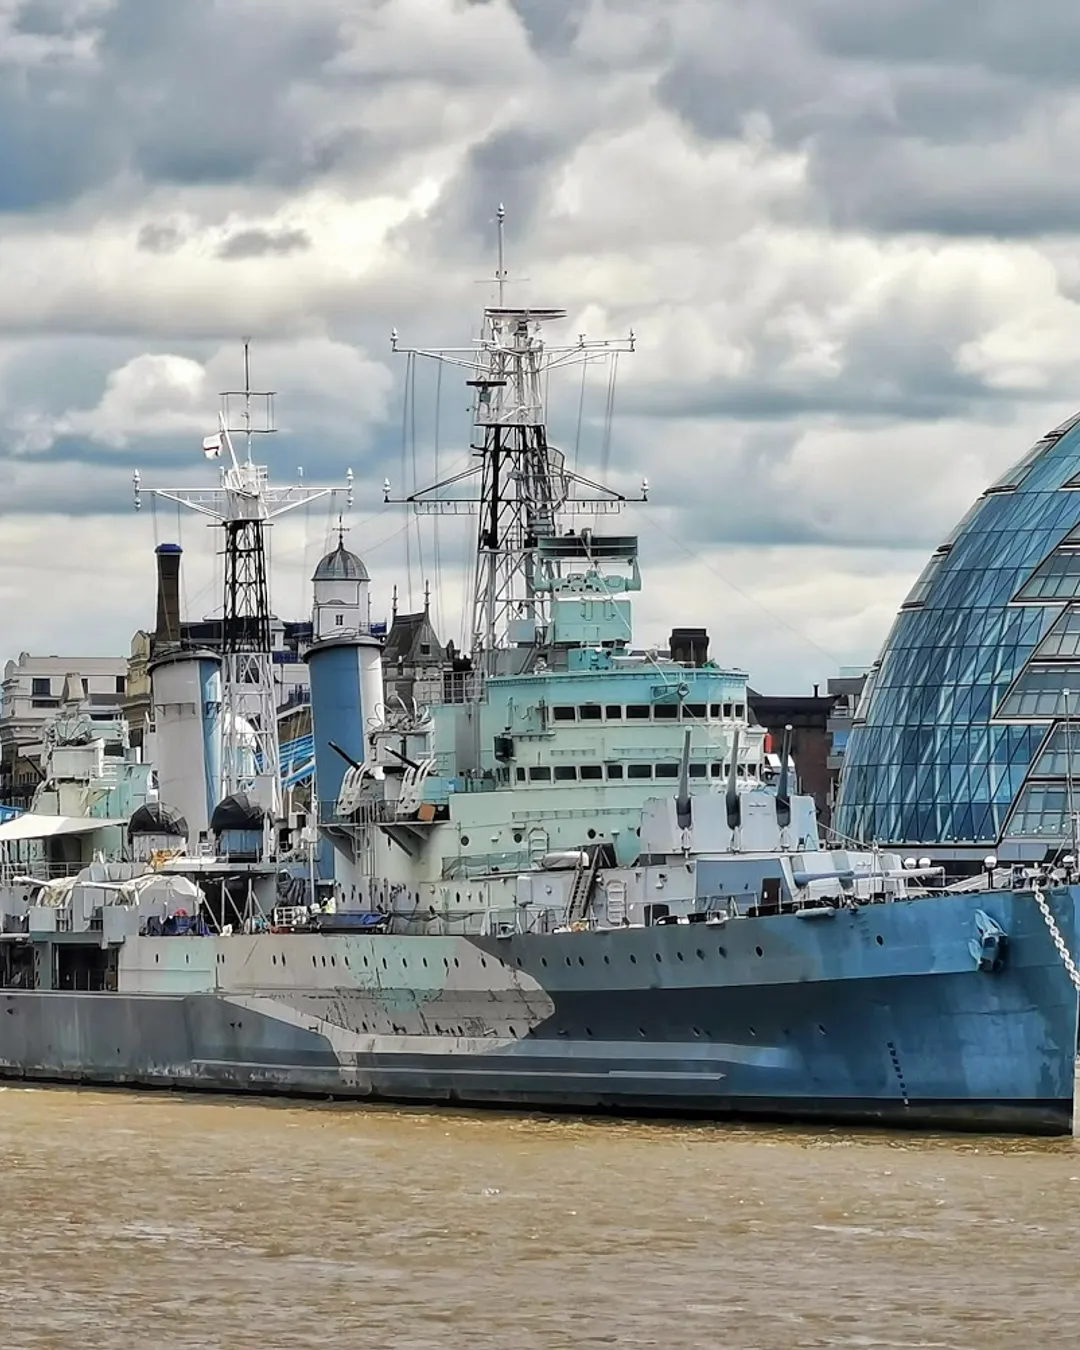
(567, 874)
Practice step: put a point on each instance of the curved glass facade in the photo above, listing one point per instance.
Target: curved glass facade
(965, 732)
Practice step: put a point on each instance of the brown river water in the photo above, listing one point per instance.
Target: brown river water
(184, 1222)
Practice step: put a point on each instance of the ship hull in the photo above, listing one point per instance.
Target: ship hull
(878, 1015)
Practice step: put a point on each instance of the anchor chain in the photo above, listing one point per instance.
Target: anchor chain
(1055, 933)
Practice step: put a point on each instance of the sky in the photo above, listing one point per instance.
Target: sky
(844, 233)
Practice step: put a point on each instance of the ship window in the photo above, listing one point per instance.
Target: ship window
(714, 710)
(667, 771)
(698, 770)
(339, 619)
(564, 714)
(740, 709)
(614, 770)
(565, 773)
(589, 712)
(714, 769)
(591, 771)
(666, 712)
(613, 712)
(638, 711)
(727, 710)
(639, 771)
(540, 773)
(520, 774)
(694, 710)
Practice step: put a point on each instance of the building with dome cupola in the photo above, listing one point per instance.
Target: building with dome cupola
(966, 740)
(341, 601)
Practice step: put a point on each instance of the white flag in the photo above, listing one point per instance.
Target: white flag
(211, 447)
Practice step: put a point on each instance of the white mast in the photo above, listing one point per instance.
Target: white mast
(243, 505)
(524, 483)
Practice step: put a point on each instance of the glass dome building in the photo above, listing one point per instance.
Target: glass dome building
(967, 736)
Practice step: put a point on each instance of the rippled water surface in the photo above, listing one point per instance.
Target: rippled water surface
(131, 1220)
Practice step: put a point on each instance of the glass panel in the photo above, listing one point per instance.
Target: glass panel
(639, 771)
(564, 714)
(1064, 638)
(1042, 812)
(614, 770)
(638, 712)
(565, 773)
(540, 773)
(591, 771)
(667, 771)
(589, 712)
(1044, 691)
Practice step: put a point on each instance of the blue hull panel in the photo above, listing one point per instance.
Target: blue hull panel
(879, 1014)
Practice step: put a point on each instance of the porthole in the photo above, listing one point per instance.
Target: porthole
(696, 1031)
(464, 841)
(679, 955)
(519, 960)
(483, 963)
(273, 960)
(324, 960)
(641, 1032)
(333, 962)
(633, 959)
(607, 960)
(567, 960)
(880, 940)
(385, 967)
(314, 961)
(659, 957)
(424, 959)
(518, 836)
(759, 951)
(700, 954)
(581, 960)
(753, 1032)
(456, 962)
(543, 960)
(720, 951)
(821, 1029)
(588, 1031)
(591, 834)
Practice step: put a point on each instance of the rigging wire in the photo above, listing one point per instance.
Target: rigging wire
(410, 367)
(414, 515)
(746, 595)
(580, 416)
(436, 543)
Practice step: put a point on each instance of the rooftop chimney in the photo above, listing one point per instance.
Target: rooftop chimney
(167, 628)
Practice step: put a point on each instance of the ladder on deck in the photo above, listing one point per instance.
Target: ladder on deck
(581, 887)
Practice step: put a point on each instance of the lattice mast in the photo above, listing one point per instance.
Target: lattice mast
(244, 504)
(524, 484)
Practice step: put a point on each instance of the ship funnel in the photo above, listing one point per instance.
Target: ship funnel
(684, 814)
(734, 806)
(167, 627)
(783, 789)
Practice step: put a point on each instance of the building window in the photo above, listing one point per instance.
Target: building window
(339, 619)
(520, 774)
(121, 684)
(425, 649)
(740, 711)
(41, 687)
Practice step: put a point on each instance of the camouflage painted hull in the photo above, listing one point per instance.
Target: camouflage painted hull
(881, 1014)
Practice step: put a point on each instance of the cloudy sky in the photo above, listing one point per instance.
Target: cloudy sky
(845, 232)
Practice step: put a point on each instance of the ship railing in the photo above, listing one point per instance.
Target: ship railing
(519, 919)
(485, 864)
(40, 871)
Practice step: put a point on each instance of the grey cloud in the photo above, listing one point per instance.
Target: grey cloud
(159, 238)
(259, 243)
